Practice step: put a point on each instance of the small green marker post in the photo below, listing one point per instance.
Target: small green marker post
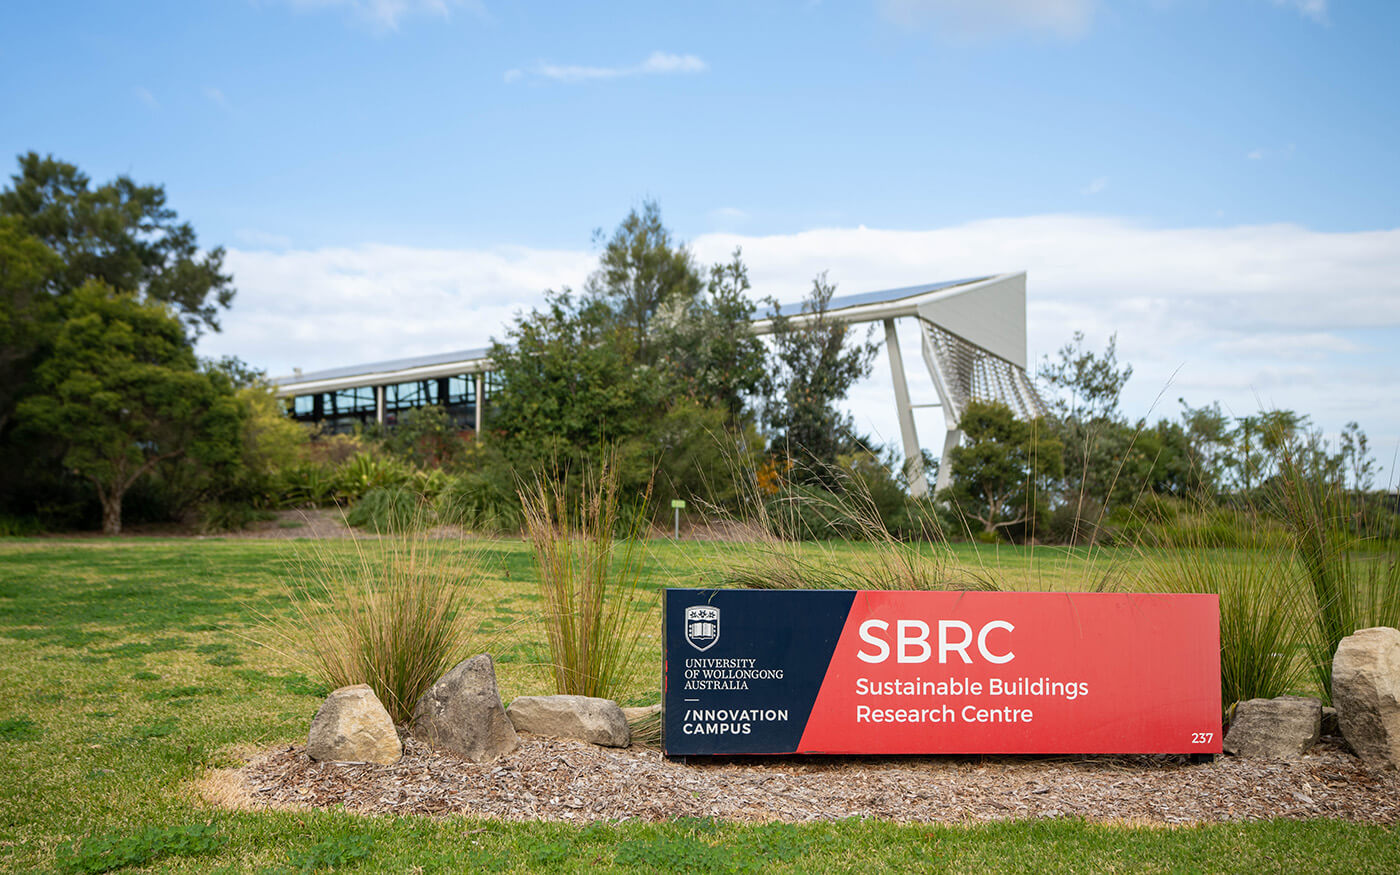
(676, 505)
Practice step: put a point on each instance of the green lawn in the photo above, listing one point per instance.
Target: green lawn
(132, 668)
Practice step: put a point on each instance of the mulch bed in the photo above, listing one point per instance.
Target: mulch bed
(562, 780)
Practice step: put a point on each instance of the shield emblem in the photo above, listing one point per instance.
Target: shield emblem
(702, 626)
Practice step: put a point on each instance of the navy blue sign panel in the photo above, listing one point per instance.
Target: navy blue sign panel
(736, 681)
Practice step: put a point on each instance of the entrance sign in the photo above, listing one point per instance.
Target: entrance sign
(879, 672)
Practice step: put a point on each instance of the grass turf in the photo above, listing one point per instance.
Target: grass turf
(133, 667)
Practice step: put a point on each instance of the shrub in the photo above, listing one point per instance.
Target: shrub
(588, 579)
(389, 510)
(480, 503)
(366, 472)
(394, 615)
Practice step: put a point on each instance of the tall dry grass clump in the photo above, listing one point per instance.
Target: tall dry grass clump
(587, 552)
(798, 538)
(393, 613)
(1263, 620)
(1351, 588)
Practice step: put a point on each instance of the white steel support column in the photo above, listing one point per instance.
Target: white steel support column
(379, 404)
(480, 400)
(952, 412)
(913, 456)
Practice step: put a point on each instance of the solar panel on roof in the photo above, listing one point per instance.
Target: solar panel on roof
(440, 358)
(880, 297)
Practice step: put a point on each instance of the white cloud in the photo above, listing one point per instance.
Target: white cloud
(987, 18)
(1314, 9)
(658, 63)
(385, 15)
(1277, 315)
(1096, 186)
(146, 97)
(328, 307)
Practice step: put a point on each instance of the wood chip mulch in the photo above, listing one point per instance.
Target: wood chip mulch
(552, 779)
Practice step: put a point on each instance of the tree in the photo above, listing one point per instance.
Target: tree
(27, 267)
(1086, 386)
(121, 234)
(999, 472)
(121, 393)
(1085, 391)
(641, 269)
(1208, 441)
(706, 346)
(816, 368)
(568, 375)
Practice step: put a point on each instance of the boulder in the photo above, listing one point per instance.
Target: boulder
(462, 713)
(1366, 693)
(598, 721)
(1281, 728)
(353, 727)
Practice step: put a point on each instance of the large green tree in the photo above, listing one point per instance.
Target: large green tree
(1000, 472)
(642, 268)
(818, 360)
(569, 377)
(705, 344)
(27, 312)
(120, 233)
(121, 393)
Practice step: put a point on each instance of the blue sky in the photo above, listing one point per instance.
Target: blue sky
(1214, 180)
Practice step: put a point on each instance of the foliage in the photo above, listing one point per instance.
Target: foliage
(798, 534)
(1085, 386)
(121, 235)
(122, 394)
(389, 510)
(568, 379)
(480, 502)
(120, 850)
(815, 368)
(1262, 620)
(425, 438)
(998, 475)
(27, 268)
(395, 616)
(639, 271)
(336, 852)
(706, 347)
(1349, 591)
(588, 581)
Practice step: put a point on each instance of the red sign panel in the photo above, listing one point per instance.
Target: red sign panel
(947, 672)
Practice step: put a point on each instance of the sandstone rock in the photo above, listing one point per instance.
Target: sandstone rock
(462, 713)
(598, 721)
(353, 727)
(1366, 693)
(1280, 728)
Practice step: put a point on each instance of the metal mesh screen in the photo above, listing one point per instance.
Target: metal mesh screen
(970, 373)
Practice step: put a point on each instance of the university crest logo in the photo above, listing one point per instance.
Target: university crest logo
(702, 626)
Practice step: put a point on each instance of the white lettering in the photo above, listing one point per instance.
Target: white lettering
(883, 652)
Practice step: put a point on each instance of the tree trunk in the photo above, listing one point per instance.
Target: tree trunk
(111, 513)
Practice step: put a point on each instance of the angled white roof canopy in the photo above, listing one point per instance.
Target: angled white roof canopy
(973, 336)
